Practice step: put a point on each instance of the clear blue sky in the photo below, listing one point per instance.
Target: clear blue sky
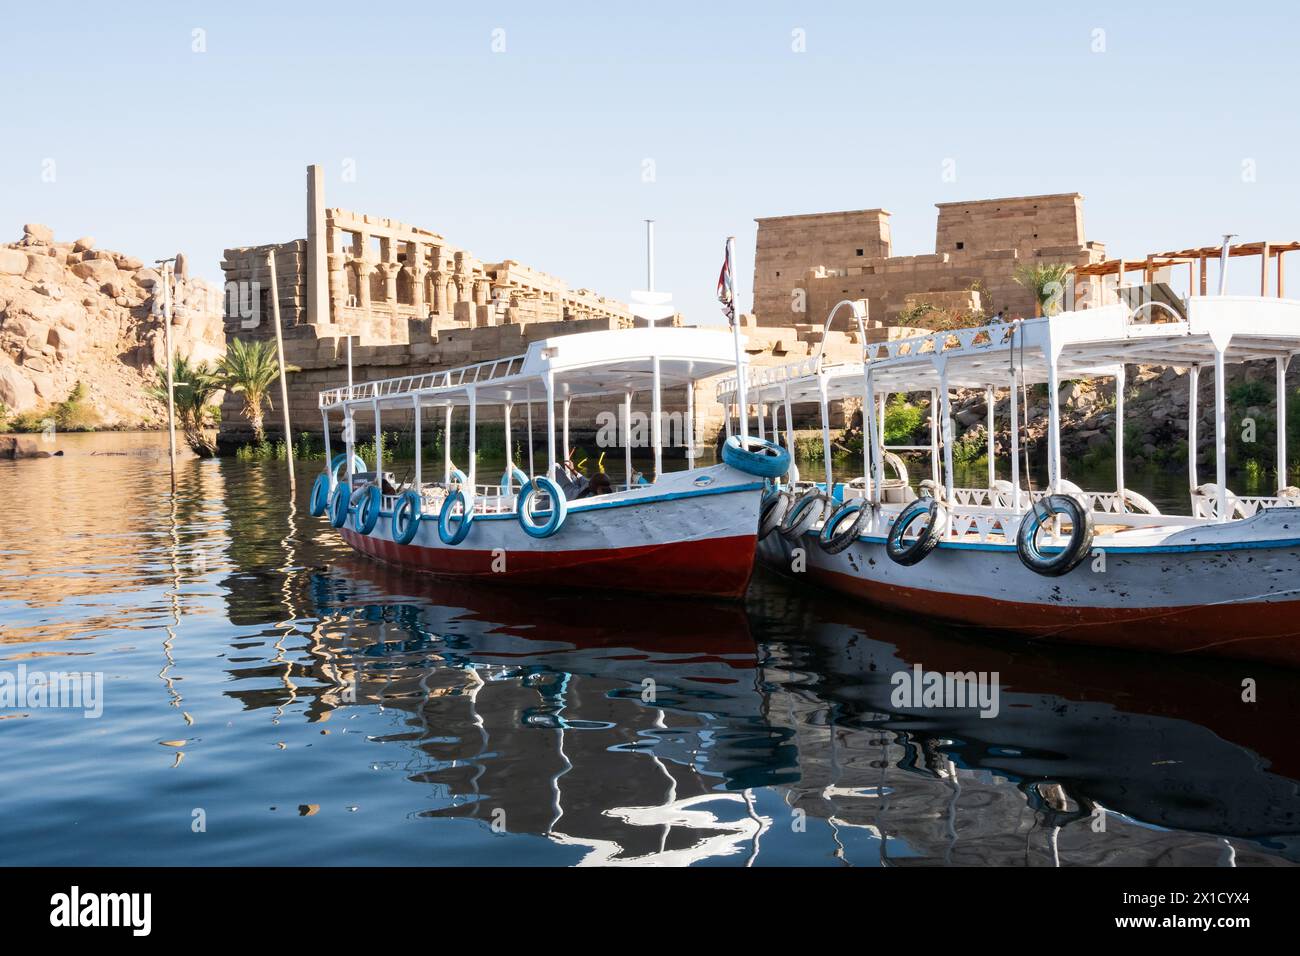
(536, 153)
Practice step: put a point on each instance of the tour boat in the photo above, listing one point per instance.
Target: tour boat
(690, 532)
(1058, 563)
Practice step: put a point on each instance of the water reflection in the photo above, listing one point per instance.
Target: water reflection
(320, 707)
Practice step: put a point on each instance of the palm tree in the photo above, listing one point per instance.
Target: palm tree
(194, 387)
(250, 368)
(1046, 280)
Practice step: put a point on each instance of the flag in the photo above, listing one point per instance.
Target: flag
(727, 288)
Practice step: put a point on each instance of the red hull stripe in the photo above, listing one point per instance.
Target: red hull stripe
(713, 567)
(1257, 629)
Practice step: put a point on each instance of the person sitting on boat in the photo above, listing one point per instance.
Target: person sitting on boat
(600, 483)
(570, 479)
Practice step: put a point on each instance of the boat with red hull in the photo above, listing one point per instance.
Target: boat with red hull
(691, 532)
(1059, 563)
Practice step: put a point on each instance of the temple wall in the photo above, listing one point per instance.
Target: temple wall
(803, 265)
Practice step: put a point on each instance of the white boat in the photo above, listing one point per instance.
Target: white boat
(1098, 566)
(690, 532)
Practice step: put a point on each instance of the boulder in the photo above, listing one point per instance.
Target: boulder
(35, 234)
(84, 244)
(16, 391)
(12, 262)
(42, 267)
(129, 263)
(98, 271)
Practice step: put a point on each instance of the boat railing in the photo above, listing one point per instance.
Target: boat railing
(478, 373)
(977, 338)
(766, 376)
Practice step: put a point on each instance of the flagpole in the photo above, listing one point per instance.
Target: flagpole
(741, 376)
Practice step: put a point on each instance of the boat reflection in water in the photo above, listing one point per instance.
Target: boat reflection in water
(649, 731)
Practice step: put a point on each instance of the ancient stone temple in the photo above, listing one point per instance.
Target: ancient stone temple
(804, 264)
(405, 298)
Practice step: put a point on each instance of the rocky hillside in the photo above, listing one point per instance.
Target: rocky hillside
(71, 313)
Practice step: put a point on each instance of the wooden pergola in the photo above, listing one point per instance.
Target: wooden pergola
(1196, 260)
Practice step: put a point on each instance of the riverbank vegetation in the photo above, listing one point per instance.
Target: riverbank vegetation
(73, 414)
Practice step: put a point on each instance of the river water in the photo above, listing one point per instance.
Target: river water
(270, 698)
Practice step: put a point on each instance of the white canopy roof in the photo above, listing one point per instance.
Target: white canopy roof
(585, 364)
(1086, 343)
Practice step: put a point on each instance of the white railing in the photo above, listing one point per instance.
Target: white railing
(975, 339)
(1204, 507)
(766, 376)
(480, 372)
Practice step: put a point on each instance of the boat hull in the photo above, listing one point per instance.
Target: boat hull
(692, 533)
(1236, 600)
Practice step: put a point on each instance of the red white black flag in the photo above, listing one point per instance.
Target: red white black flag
(727, 288)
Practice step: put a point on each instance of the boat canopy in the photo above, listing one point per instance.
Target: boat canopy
(1090, 343)
(587, 364)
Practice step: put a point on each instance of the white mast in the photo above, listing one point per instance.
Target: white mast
(741, 399)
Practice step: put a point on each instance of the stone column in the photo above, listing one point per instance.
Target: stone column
(317, 269)
(390, 270)
(363, 267)
(338, 280)
(439, 291)
(415, 266)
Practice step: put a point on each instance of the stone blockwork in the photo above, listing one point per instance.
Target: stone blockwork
(409, 301)
(804, 264)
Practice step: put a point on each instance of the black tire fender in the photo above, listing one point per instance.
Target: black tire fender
(1065, 560)
(926, 541)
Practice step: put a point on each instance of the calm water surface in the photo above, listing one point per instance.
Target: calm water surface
(269, 698)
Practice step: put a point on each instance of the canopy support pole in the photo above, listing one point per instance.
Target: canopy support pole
(1053, 426)
(510, 456)
(1281, 407)
(379, 446)
(566, 449)
(419, 452)
(945, 414)
(1193, 385)
(1120, 380)
(690, 424)
(472, 473)
(826, 428)
(1015, 443)
(446, 448)
(1220, 435)
(531, 469)
(551, 463)
(789, 433)
(656, 425)
(988, 428)
(325, 424)
(627, 437)
(934, 436)
(871, 458)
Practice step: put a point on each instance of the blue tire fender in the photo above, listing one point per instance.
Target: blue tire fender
(555, 518)
(756, 456)
(367, 513)
(453, 535)
(514, 475)
(340, 505)
(320, 495)
(406, 517)
(341, 459)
